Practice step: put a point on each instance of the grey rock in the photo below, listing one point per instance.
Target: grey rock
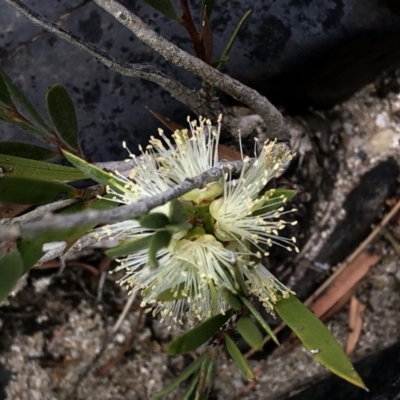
(297, 52)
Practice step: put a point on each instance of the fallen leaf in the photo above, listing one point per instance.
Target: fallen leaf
(344, 283)
(355, 324)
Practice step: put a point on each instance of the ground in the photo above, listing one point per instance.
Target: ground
(55, 324)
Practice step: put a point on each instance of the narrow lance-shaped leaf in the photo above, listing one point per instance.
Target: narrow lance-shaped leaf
(317, 338)
(190, 393)
(249, 331)
(260, 319)
(23, 167)
(232, 299)
(62, 113)
(225, 52)
(94, 172)
(5, 96)
(22, 190)
(23, 101)
(165, 7)
(26, 150)
(194, 338)
(190, 370)
(11, 268)
(13, 116)
(238, 358)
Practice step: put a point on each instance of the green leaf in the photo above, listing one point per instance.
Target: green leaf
(62, 112)
(194, 338)
(317, 338)
(232, 39)
(12, 115)
(22, 190)
(210, 375)
(129, 247)
(260, 319)
(159, 240)
(249, 331)
(5, 95)
(184, 226)
(165, 7)
(179, 215)
(11, 269)
(23, 167)
(190, 370)
(154, 221)
(208, 5)
(238, 358)
(94, 172)
(275, 198)
(26, 150)
(232, 299)
(31, 249)
(191, 389)
(239, 278)
(23, 101)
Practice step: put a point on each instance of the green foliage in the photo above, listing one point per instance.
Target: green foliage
(159, 240)
(238, 358)
(190, 370)
(249, 331)
(154, 221)
(62, 113)
(259, 319)
(11, 92)
(165, 7)
(225, 53)
(23, 190)
(195, 337)
(28, 150)
(11, 269)
(317, 338)
(97, 174)
(16, 109)
(22, 167)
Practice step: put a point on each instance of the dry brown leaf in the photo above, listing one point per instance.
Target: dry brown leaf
(227, 153)
(355, 324)
(344, 283)
(9, 210)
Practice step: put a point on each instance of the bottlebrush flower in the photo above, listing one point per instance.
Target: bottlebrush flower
(227, 227)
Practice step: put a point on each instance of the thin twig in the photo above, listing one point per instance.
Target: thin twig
(125, 212)
(83, 242)
(142, 71)
(254, 100)
(39, 212)
(124, 312)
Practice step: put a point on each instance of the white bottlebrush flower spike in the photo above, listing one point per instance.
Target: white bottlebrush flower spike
(228, 227)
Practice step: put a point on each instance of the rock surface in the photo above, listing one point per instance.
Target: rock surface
(298, 52)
